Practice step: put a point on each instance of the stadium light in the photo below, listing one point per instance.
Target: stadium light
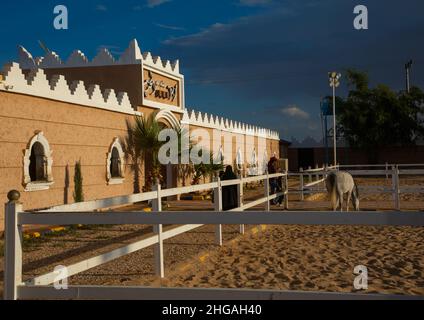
(334, 78)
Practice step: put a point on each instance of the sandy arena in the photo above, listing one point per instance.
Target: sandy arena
(314, 258)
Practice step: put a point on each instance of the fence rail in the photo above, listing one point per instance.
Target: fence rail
(15, 288)
(15, 218)
(314, 185)
(82, 213)
(148, 293)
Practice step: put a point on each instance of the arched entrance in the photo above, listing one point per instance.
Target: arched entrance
(168, 120)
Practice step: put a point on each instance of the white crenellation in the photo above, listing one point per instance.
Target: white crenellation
(109, 97)
(123, 99)
(104, 57)
(210, 121)
(57, 88)
(51, 60)
(132, 55)
(77, 59)
(27, 61)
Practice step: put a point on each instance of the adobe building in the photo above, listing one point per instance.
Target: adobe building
(55, 113)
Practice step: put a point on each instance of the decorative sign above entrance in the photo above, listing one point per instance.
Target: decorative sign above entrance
(159, 88)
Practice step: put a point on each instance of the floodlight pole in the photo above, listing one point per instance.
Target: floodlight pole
(334, 126)
(408, 66)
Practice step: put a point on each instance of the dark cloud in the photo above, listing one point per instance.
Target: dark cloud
(282, 55)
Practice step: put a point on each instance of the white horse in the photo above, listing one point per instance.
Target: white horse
(338, 183)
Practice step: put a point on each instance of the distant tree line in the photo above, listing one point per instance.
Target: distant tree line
(369, 118)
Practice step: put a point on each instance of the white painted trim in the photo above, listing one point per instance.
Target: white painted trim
(38, 185)
(115, 180)
(168, 116)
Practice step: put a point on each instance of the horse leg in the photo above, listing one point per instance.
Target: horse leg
(336, 202)
(341, 200)
(349, 195)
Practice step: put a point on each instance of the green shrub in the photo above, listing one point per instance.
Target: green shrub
(78, 192)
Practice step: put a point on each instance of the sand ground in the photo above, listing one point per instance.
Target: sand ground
(280, 257)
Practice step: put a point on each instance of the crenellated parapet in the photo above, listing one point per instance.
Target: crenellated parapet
(132, 55)
(35, 83)
(200, 119)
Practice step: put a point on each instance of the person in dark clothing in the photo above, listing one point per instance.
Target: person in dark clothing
(229, 193)
(279, 200)
(273, 185)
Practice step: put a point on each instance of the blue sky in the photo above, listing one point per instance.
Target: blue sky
(259, 61)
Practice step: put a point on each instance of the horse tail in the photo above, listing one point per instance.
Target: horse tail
(356, 190)
(332, 189)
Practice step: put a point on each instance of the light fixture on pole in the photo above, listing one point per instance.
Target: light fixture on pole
(334, 78)
(408, 67)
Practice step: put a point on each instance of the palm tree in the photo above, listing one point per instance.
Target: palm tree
(142, 146)
(206, 170)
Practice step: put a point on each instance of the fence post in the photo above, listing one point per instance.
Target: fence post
(387, 171)
(266, 193)
(286, 190)
(301, 184)
(157, 229)
(240, 201)
(395, 187)
(397, 190)
(13, 246)
(217, 198)
(309, 174)
(317, 173)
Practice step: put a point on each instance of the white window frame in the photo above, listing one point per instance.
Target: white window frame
(38, 185)
(115, 180)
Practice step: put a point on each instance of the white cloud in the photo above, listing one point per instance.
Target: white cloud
(165, 26)
(101, 7)
(155, 3)
(295, 112)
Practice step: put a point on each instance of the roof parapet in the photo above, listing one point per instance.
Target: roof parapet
(211, 121)
(132, 55)
(57, 88)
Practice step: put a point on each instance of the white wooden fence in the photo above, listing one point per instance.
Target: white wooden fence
(13, 226)
(391, 171)
(41, 287)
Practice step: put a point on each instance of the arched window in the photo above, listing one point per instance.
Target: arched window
(115, 163)
(38, 164)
